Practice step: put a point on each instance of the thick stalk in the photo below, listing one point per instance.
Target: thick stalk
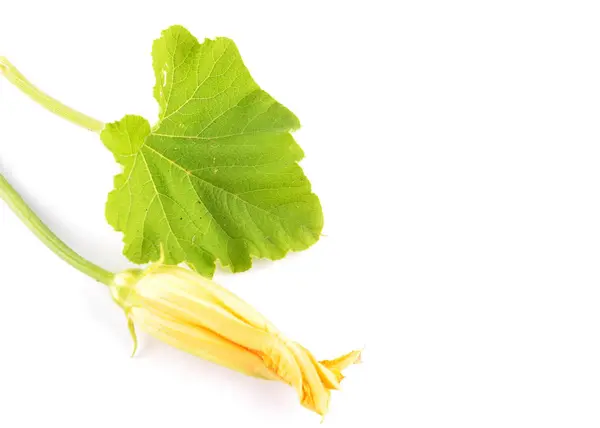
(15, 77)
(62, 250)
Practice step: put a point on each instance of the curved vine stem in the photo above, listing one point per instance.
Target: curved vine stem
(15, 77)
(37, 226)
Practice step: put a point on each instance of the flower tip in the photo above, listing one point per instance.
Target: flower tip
(360, 358)
(133, 352)
(161, 259)
(131, 327)
(158, 263)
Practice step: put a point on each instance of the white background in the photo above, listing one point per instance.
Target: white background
(456, 150)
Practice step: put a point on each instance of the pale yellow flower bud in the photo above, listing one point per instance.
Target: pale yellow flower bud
(196, 315)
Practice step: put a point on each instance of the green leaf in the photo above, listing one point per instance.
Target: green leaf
(217, 178)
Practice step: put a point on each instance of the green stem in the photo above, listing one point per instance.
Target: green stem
(16, 78)
(62, 250)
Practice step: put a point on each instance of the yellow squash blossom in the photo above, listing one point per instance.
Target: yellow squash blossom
(196, 315)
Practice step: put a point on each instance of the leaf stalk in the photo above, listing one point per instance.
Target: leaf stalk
(16, 203)
(15, 77)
